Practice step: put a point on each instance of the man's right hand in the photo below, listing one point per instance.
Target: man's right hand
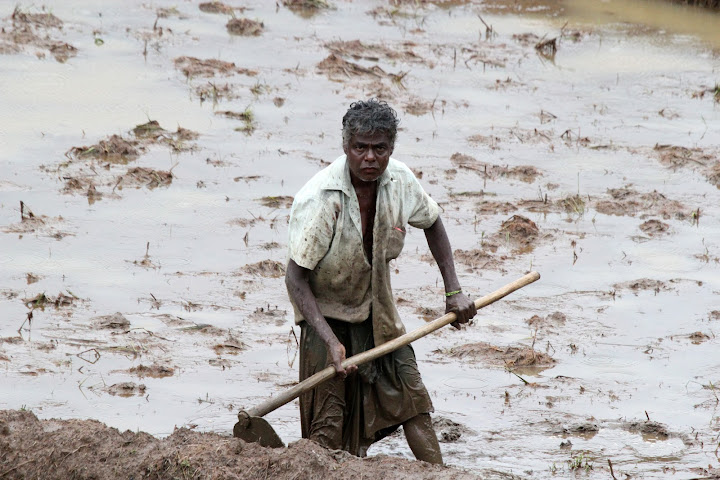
(337, 354)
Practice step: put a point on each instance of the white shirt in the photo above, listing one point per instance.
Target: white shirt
(325, 236)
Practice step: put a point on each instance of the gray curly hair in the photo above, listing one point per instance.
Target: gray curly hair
(369, 117)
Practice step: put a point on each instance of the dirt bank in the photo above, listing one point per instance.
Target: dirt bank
(87, 449)
(150, 156)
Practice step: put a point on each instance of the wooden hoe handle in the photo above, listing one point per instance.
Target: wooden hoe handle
(377, 352)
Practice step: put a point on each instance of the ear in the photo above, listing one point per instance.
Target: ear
(345, 148)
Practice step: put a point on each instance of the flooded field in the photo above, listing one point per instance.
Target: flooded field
(150, 151)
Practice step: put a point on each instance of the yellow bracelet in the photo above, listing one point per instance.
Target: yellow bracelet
(450, 294)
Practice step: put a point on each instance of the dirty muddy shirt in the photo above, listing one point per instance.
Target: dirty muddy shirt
(325, 236)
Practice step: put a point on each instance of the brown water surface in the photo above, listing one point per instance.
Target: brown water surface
(606, 150)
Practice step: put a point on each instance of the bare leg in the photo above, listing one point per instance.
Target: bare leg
(422, 440)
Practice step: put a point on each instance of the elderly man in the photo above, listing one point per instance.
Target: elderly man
(346, 224)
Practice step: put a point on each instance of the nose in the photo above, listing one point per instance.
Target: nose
(370, 155)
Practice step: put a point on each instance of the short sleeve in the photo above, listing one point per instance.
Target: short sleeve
(423, 210)
(311, 230)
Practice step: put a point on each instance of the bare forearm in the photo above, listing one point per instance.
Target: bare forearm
(300, 293)
(455, 300)
(442, 253)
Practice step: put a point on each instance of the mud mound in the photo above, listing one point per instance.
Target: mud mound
(114, 150)
(713, 174)
(519, 6)
(674, 156)
(31, 29)
(625, 201)
(119, 150)
(245, 27)
(654, 227)
(478, 259)
(488, 207)
(230, 345)
(585, 429)
(41, 301)
(266, 268)
(87, 449)
(524, 173)
(506, 357)
(547, 323)
(81, 174)
(37, 224)
(306, 6)
(153, 371)
(45, 20)
(429, 314)
(649, 430)
(127, 389)
(145, 177)
(416, 3)
(619, 201)
(418, 107)
(449, 431)
(519, 230)
(279, 201)
(216, 7)
(373, 52)
(116, 321)
(698, 337)
(337, 68)
(642, 284)
(196, 67)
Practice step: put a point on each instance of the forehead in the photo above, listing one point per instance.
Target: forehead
(376, 138)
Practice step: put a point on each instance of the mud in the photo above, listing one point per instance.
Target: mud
(305, 5)
(32, 30)
(153, 371)
(509, 357)
(654, 227)
(196, 67)
(142, 271)
(126, 389)
(80, 171)
(115, 149)
(85, 449)
(525, 173)
(116, 321)
(266, 268)
(217, 7)
(448, 431)
(245, 27)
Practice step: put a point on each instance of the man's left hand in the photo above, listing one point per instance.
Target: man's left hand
(462, 306)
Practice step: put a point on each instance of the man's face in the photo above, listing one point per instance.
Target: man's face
(368, 156)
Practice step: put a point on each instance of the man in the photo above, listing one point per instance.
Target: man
(346, 224)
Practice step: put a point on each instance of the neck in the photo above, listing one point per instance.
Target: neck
(363, 188)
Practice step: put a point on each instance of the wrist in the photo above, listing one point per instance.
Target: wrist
(333, 343)
(453, 292)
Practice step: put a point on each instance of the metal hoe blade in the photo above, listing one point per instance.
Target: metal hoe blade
(256, 429)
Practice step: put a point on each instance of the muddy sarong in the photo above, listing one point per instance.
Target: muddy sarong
(353, 413)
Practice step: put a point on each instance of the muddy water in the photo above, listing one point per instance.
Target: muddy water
(627, 309)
